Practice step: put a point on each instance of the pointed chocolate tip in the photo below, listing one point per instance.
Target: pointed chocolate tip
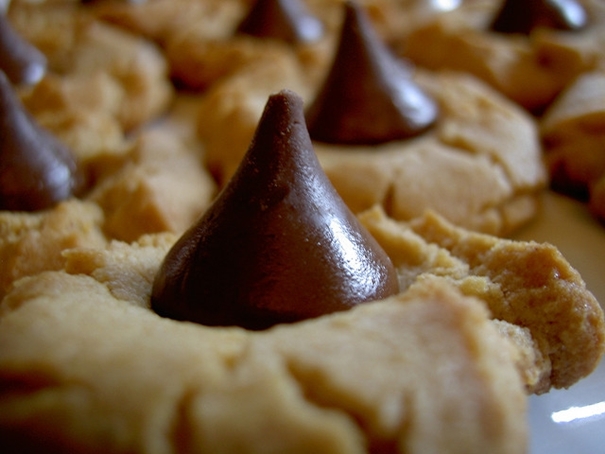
(278, 245)
(36, 170)
(523, 16)
(21, 62)
(369, 96)
(281, 129)
(288, 20)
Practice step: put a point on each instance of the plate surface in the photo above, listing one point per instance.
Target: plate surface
(573, 420)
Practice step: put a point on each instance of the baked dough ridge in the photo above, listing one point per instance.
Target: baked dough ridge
(82, 355)
(342, 383)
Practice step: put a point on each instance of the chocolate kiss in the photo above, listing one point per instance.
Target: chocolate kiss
(278, 245)
(20, 61)
(368, 97)
(36, 170)
(287, 20)
(522, 16)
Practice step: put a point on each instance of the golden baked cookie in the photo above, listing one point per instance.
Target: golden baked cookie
(159, 20)
(82, 113)
(162, 186)
(480, 166)
(572, 131)
(78, 46)
(132, 381)
(201, 51)
(153, 182)
(202, 40)
(529, 69)
(470, 324)
(198, 60)
(34, 242)
(393, 19)
(163, 386)
(102, 84)
(477, 162)
(524, 284)
(159, 185)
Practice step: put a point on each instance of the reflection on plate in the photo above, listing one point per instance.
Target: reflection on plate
(573, 420)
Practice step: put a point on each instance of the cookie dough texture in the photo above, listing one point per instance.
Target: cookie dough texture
(103, 83)
(86, 366)
(161, 20)
(573, 133)
(199, 60)
(79, 47)
(162, 185)
(480, 166)
(102, 97)
(529, 70)
(529, 288)
(200, 38)
(81, 113)
(31, 243)
(201, 42)
(156, 184)
(139, 383)
(203, 52)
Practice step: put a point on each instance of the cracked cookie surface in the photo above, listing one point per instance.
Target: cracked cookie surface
(474, 311)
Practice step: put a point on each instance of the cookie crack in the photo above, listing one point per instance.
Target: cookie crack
(388, 200)
(375, 443)
(181, 430)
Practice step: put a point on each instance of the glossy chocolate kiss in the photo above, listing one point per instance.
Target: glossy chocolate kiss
(21, 62)
(287, 20)
(522, 16)
(369, 96)
(278, 245)
(36, 170)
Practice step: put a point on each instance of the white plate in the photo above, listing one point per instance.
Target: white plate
(573, 420)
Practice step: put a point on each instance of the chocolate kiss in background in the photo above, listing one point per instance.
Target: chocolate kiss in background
(522, 16)
(36, 170)
(369, 96)
(21, 62)
(288, 20)
(278, 245)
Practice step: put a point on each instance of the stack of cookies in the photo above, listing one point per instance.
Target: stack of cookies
(281, 226)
